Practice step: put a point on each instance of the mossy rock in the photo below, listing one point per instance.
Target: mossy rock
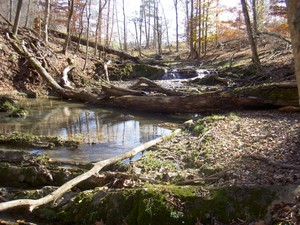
(7, 104)
(20, 112)
(150, 72)
(168, 205)
(19, 139)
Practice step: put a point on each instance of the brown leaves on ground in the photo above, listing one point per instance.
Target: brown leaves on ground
(221, 154)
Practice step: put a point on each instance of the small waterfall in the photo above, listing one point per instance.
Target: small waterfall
(186, 73)
(171, 75)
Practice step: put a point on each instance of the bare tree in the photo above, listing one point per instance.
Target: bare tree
(254, 14)
(71, 10)
(88, 16)
(187, 22)
(294, 24)
(176, 19)
(136, 24)
(199, 14)
(255, 57)
(191, 31)
(124, 26)
(107, 23)
(99, 23)
(17, 17)
(217, 23)
(81, 26)
(11, 6)
(46, 20)
(27, 14)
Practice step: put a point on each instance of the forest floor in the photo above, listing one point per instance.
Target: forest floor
(242, 148)
(246, 148)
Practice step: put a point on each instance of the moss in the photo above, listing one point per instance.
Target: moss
(151, 72)
(151, 162)
(270, 92)
(9, 105)
(18, 138)
(80, 211)
(203, 124)
(28, 140)
(170, 204)
(19, 113)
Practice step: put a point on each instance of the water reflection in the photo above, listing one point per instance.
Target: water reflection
(106, 132)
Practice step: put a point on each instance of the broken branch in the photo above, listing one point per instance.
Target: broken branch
(35, 203)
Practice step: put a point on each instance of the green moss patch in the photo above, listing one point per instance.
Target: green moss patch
(271, 92)
(168, 205)
(9, 105)
(19, 139)
(150, 72)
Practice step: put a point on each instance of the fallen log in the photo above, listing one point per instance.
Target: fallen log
(112, 90)
(209, 102)
(274, 95)
(103, 48)
(152, 86)
(35, 203)
(65, 79)
(80, 95)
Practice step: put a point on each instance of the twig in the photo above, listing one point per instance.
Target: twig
(204, 135)
(5, 20)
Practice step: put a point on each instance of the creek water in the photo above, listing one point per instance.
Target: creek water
(105, 132)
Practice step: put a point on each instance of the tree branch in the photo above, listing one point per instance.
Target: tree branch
(35, 203)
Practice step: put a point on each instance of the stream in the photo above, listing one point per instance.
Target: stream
(105, 132)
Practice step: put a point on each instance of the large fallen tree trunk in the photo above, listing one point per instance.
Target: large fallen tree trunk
(214, 101)
(34, 203)
(262, 96)
(103, 48)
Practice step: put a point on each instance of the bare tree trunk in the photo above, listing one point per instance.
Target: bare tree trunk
(81, 27)
(17, 17)
(11, 6)
(107, 24)
(294, 24)
(88, 15)
(206, 27)
(203, 25)
(135, 21)
(255, 58)
(46, 20)
(149, 25)
(166, 29)
(191, 27)
(154, 26)
(254, 13)
(112, 22)
(118, 27)
(99, 24)
(71, 10)
(187, 18)
(177, 25)
(199, 27)
(124, 26)
(217, 23)
(27, 14)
